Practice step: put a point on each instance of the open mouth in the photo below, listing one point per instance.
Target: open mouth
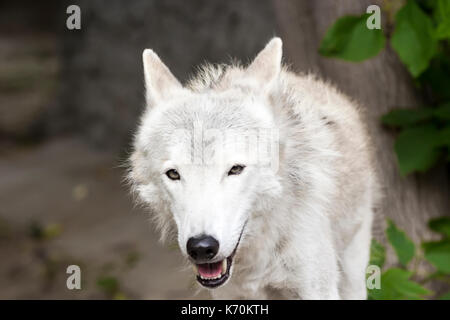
(214, 274)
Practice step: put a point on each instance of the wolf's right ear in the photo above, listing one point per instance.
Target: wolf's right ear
(160, 83)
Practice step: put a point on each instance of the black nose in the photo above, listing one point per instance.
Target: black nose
(202, 248)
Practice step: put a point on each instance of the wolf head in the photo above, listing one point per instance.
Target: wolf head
(205, 154)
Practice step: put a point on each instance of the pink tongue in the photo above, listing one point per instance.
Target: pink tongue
(210, 270)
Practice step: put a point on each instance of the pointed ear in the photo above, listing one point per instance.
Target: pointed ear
(267, 64)
(160, 83)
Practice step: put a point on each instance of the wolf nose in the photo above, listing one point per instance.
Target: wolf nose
(202, 248)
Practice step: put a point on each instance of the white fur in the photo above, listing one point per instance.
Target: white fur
(308, 220)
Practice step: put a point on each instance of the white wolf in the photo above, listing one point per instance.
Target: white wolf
(297, 228)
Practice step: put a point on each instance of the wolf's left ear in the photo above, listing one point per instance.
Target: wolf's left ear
(267, 64)
(160, 83)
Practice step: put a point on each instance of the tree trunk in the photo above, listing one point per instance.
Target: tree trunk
(379, 84)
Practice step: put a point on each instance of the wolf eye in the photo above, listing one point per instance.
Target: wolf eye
(173, 174)
(235, 170)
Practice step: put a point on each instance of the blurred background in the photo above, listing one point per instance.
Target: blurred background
(70, 100)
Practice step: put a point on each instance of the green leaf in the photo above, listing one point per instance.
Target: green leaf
(403, 246)
(377, 254)
(48, 232)
(52, 230)
(406, 117)
(442, 14)
(108, 284)
(443, 112)
(36, 231)
(350, 39)
(441, 225)
(437, 77)
(413, 38)
(120, 296)
(395, 285)
(444, 136)
(445, 296)
(438, 254)
(416, 148)
(443, 30)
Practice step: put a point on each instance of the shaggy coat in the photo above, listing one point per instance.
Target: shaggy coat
(299, 229)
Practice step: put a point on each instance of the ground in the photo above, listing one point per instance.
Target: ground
(63, 203)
